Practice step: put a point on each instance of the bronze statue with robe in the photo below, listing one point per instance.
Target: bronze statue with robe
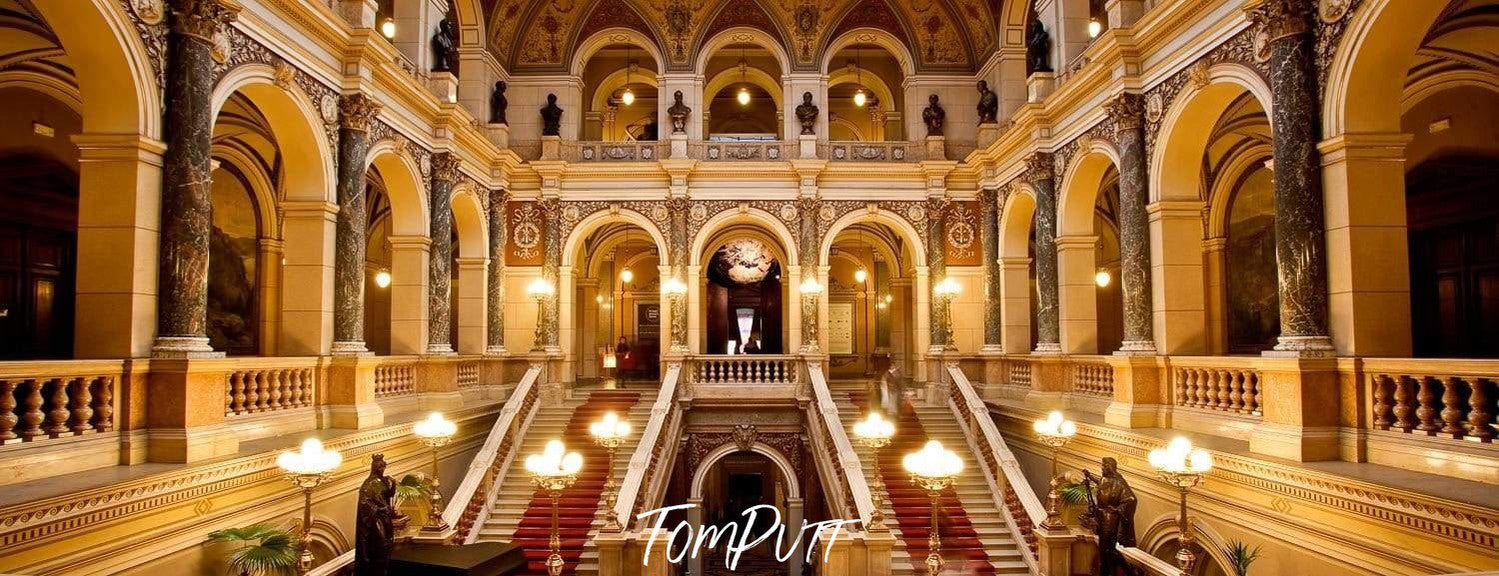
(1114, 511)
(375, 521)
(933, 116)
(445, 47)
(988, 106)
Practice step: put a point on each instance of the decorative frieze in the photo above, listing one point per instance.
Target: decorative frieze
(1243, 48)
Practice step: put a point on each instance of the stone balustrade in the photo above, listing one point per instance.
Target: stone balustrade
(761, 151)
(624, 151)
(269, 384)
(1450, 399)
(889, 151)
(746, 369)
(1223, 384)
(1092, 376)
(475, 492)
(45, 400)
(468, 373)
(395, 376)
(657, 442)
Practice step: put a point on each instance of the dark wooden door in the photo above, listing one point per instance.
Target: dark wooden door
(1454, 257)
(36, 292)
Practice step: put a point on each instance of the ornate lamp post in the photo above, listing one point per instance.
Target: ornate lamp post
(435, 432)
(1182, 466)
(307, 468)
(609, 433)
(1054, 432)
(675, 291)
(875, 432)
(554, 470)
(934, 469)
(946, 290)
(810, 289)
(540, 289)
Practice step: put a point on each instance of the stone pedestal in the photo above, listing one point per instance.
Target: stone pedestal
(611, 553)
(936, 147)
(1123, 13)
(1138, 392)
(499, 134)
(359, 13)
(1301, 409)
(444, 85)
(185, 414)
(834, 559)
(551, 147)
(988, 133)
(1048, 382)
(1039, 86)
(437, 382)
(877, 553)
(425, 537)
(1054, 551)
(678, 146)
(351, 393)
(807, 146)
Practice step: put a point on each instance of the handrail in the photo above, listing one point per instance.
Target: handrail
(640, 461)
(1143, 560)
(968, 407)
(853, 470)
(334, 565)
(484, 459)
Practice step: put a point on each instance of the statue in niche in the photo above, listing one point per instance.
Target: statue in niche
(1038, 48)
(933, 116)
(678, 113)
(375, 521)
(806, 113)
(1113, 510)
(988, 104)
(498, 103)
(445, 47)
(551, 117)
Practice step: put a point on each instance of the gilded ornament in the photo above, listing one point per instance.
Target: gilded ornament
(1126, 110)
(284, 75)
(151, 12)
(570, 215)
(825, 213)
(745, 436)
(916, 213)
(659, 213)
(526, 233)
(221, 46)
(1333, 10)
(698, 214)
(443, 167)
(788, 212)
(1200, 74)
(328, 107)
(356, 111)
(425, 164)
(1155, 107)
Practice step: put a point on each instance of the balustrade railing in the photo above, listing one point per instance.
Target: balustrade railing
(746, 369)
(395, 377)
(621, 151)
(468, 373)
(1019, 373)
(474, 493)
(1092, 376)
(657, 442)
(1453, 399)
(892, 151)
(42, 400)
(257, 385)
(1007, 483)
(1223, 384)
(833, 440)
(763, 151)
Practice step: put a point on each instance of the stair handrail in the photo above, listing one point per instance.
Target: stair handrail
(481, 468)
(1145, 561)
(968, 408)
(853, 469)
(640, 460)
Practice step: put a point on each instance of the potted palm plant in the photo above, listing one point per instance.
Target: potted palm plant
(1240, 557)
(412, 488)
(264, 550)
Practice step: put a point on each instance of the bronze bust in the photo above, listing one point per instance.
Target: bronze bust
(988, 104)
(933, 116)
(445, 47)
(806, 113)
(678, 112)
(498, 103)
(551, 117)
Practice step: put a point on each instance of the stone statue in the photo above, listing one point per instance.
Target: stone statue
(933, 116)
(551, 117)
(678, 113)
(806, 113)
(445, 47)
(375, 527)
(1038, 48)
(1114, 511)
(988, 104)
(498, 103)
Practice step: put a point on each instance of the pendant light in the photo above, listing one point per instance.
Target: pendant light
(744, 95)
(628, 97)
(388, 28)
(859, 97)
(627, 275)
(861, 274)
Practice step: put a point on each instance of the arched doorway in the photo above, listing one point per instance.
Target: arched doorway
(1091, 313)
(744, 97)
(872, 309)
(731, 486)
(865, 98)
(620, 87)
(244, 249)
(744, 298)
(1244, 305)
(617, 271)
(396, 252)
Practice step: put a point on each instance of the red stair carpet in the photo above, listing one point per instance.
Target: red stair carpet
(961, 548)
(580, 503)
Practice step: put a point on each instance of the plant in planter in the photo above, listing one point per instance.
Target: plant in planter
(265, 549)
(1240, 557)
(414, 488)
(1075, 492)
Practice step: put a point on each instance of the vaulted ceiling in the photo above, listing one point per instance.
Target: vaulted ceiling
(941, 35)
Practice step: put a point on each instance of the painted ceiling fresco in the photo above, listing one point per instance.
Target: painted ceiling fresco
(540, 35)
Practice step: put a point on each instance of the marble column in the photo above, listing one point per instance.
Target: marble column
(1300, 246)
(1038, 169)
(440, 259)
(936, 260)
(186, 196)
(356, 112)
(679, 206)
(551, 268)
(495, 300)
(1128, 113)
(808, 209)
(989, 205)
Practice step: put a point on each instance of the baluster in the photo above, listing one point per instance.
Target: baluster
(1204, 388)
(1381, 401)
(293, 388)
(1198, 387)
(279, 392)
(1180, 386)
(1252, 393)
(304, 388)
(1236, 391)
(57, 416)
(1403, 407)
(31, 415)
(252, 392)
(1427, 411)
(1452, 408)
(236, 392)
(7, 410)
(79, 406)
(104, 408)
(1480, 419)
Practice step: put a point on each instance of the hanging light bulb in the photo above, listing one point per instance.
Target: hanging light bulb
(628, 97)
(626, 275)
(1103, 278)
(860, 98)
(1094, 27)
(861, 275)
(744, 96)
(382, 279)
(388, 28)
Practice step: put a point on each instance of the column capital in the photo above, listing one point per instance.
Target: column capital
(357, 111)
(1281, 18)
(445, 167)
(202, 19)
(1038, 167)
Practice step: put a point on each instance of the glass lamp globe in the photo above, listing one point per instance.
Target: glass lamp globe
(743, 97)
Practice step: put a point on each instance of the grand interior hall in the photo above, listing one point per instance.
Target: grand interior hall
(749, 287)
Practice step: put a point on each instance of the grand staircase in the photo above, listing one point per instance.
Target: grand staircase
(521, 515)
(975, 536)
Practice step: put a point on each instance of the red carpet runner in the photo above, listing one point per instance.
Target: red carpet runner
(580, 503)
(961, 548)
